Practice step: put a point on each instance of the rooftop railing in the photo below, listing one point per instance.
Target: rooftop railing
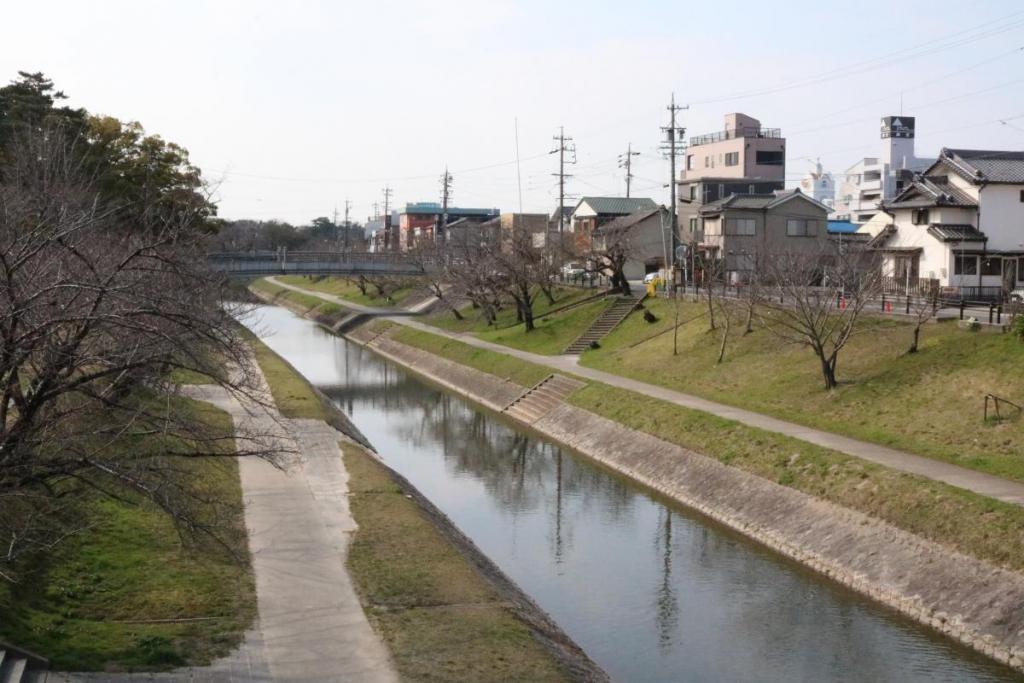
(741, 132)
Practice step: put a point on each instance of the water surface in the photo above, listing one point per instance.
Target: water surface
(651, 591)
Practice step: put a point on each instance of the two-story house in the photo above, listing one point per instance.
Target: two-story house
(739, 227)
(592, 212)
(960, 224)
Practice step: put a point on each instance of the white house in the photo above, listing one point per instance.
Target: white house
(873, 180)
(960, 223)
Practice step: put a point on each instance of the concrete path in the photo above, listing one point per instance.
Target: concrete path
(972, 480)
(310, 624)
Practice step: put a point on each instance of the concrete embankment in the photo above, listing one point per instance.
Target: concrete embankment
(970, 600)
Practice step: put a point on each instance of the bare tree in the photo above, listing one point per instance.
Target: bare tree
(923, 309)
(820, 296)
(520, 268)
(611, 248)
(96, 311)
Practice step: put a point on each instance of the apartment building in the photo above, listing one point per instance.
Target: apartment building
(873, 180)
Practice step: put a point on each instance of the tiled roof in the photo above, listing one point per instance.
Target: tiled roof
(951, 232)
(620, 206)
(931, 191)
(986, 166)
(882, 237)
(755, 201)
(623, 222)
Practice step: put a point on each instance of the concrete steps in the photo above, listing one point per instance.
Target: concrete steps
(542, 398)
(606, 322)
(21, 666)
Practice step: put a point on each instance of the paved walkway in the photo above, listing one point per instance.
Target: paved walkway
(310, 624)
(972, 480)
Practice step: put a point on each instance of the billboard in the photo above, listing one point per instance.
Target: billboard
(897, 127)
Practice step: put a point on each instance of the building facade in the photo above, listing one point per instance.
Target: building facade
(644, 235)
(819, 185)
(736, 229)
(959, 225)
(873, 180)
(593, 212)
(421, 220)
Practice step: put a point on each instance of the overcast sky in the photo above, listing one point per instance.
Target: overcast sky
(292, 107)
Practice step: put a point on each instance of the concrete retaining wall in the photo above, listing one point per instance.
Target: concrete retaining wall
(965, 598)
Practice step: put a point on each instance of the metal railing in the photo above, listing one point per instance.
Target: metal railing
(731, 134)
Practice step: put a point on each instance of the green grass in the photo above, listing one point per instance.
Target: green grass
(956, 518)
(306, 301)
(506, 367)
(552, 333)
(186, 376)
(506, 318)
(81, 605)
(346, 289)
(928, 403)
(293, 395)
(439, 618)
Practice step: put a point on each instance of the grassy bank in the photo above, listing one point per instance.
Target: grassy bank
(347, 289)
(505, 320)
(94, 603)
(440, 619)
(308, 303)
(928, 403)
(958, 519)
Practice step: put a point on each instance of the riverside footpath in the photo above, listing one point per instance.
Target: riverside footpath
(978, 482)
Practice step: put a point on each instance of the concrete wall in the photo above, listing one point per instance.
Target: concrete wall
(1002, 216)
(965, 598)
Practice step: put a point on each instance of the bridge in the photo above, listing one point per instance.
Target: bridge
(251, 264)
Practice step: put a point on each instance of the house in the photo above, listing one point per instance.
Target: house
(420, 220)
(534, 224)
(744, 158)
(644, 235)
(873, 180)
(960, 224)
(593, 212)
(740, 226)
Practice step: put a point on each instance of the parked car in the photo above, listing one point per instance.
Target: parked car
(1017, 296)
(651, 277)
(573, 270)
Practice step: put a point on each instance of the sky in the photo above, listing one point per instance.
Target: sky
(292, 108)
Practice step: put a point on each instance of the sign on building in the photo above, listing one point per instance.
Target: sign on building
(897, 127)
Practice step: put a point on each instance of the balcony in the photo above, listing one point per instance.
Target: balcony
(743, 132)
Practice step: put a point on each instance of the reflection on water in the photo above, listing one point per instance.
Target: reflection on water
(651, 592)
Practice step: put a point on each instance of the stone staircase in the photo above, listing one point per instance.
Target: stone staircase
(540, 399)
(606, 322)
(21, 666)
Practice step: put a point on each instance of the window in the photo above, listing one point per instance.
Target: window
(693, 225)
(693, 191)
(740, 226)
(965, 265)
(992, 266)
(801, 227)
(771, 158)
(1022, 195)
(707, 162)
(732, 158)
(919, 216)
(689, 162)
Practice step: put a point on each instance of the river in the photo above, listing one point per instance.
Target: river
(650, 590)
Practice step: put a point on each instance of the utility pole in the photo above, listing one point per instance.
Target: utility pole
(673, 146)
(334, 222)
(388, 237)
(348, 205)
(565, 144)
(626, 162)
(446, 188)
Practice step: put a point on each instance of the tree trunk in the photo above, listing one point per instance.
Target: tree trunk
(528, 317)
(725, 339)
(828, 371)
(675, 325)
(455, 312)
(917, 338)
(749, 326)
(548, 295)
